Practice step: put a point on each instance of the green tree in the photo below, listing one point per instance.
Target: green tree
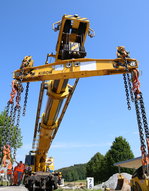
(68, 176)
(94, 167)
(119, 151)
(81, 170)
(72, 173)
(9, 133)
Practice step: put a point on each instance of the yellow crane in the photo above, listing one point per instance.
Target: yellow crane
(69, 64)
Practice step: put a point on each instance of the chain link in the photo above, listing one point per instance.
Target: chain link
(9, 127)
(7, 108)
(14, 154)
(139, 120)
(16, 130)
(130, 87)
(122, 53)
(26, 98)
(14, 116)
(17, 108)
(127, 92)
(4, 131)
(18, 117)
(7, 131)
(7, 113)
(144, 118)
(138, 113)
(9, 122)
(13, 122)
(142, 121)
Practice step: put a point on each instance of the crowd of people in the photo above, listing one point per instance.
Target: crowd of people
(13, 176)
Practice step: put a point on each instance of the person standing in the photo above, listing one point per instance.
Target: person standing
(20, 171)
(15, 176)
(10, 175)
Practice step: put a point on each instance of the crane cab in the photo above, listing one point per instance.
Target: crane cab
(72, 35)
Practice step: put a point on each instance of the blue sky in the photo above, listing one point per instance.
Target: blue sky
(98, 111)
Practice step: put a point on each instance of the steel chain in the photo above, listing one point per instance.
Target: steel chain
(130, 87)
(7, 108)
(13, 120)
(127, 91)
(122, 53)
(11, 112)
(7, 113)
(16, 131)
(18, 117)
(26, 98)
(18, 108)
(14, 116)
(9, 127)
(4, 131)
(14, 153)
(138, 113)
(144, 118)
(3, 135)
(10, 121)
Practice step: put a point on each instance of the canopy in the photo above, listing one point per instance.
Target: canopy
(132, 163)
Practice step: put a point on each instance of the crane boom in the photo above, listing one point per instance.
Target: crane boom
(69, 64)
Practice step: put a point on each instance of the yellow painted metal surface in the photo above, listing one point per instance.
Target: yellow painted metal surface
(69, 63)
(75, 21)
(75, 68)
(142, 183)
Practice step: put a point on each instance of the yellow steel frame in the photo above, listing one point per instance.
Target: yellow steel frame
(58, 74)
(75, 23)
(75, 68)
(138, 184)
(61, 70)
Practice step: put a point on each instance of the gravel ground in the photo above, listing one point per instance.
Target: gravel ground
(112, 181)
(13, 188)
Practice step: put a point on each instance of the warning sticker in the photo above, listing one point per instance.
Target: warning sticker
(88, 65)
(58, 67)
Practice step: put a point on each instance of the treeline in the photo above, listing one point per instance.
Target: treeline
(73, 173)
(101, 167)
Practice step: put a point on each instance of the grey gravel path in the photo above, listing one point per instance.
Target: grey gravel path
(13, 188)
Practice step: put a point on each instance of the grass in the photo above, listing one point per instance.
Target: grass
(80, 184)
(3, 183)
